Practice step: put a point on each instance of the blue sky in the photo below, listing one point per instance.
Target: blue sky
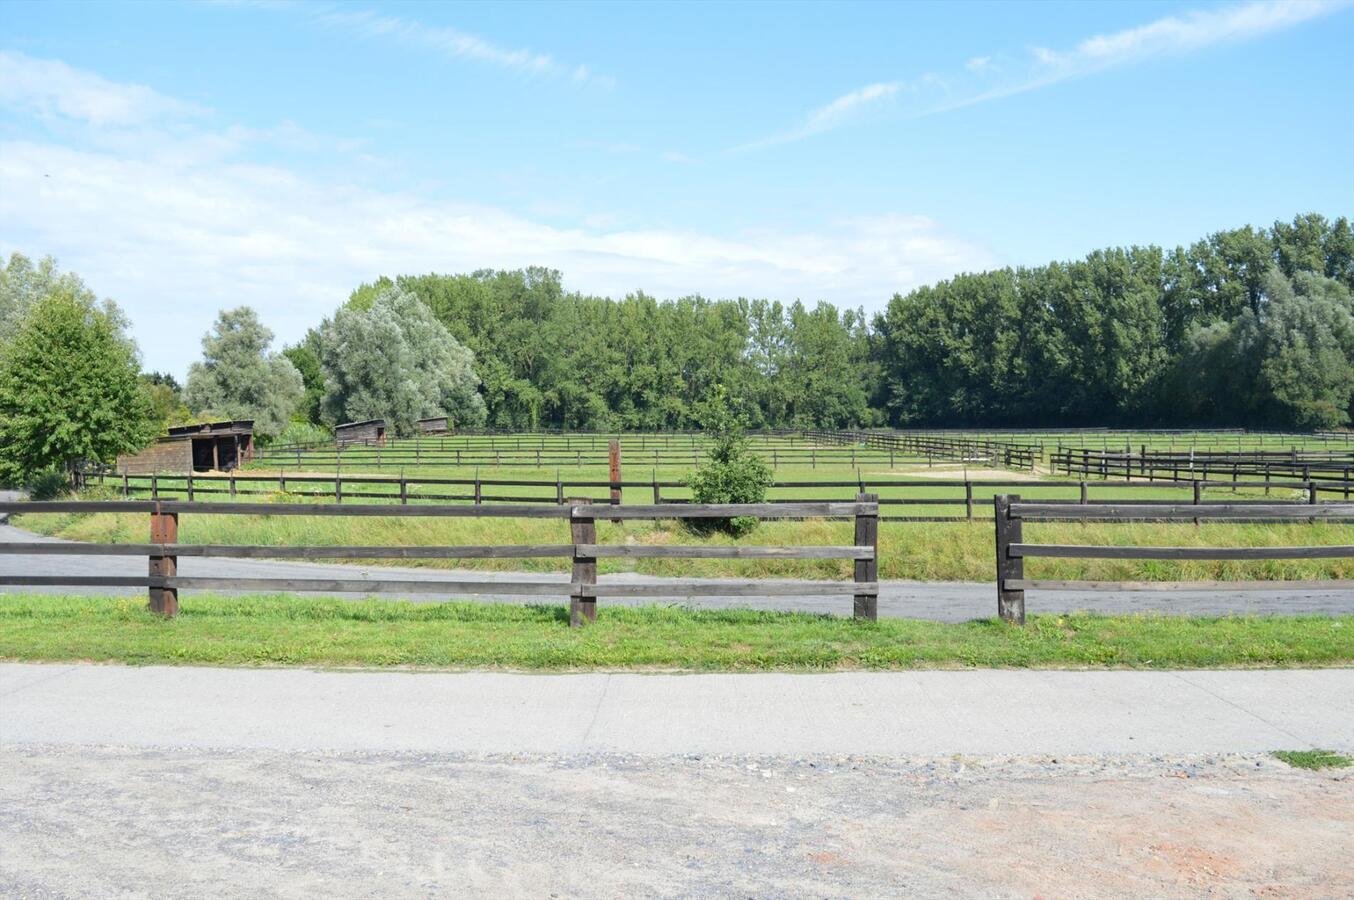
(186, 157)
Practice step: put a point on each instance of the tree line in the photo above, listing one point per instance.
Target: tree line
(1248, 327)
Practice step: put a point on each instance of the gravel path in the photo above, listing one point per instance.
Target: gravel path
(938, 601)
(162, 822)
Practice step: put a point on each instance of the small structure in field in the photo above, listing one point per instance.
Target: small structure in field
(372, 431)
(434, 425)
(205, 447)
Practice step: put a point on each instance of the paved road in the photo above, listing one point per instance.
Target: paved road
(886, 713)
(938, 601)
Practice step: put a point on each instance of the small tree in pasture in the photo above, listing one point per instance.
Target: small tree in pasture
(731, 473)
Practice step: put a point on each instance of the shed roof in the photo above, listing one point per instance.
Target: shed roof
(204, 429)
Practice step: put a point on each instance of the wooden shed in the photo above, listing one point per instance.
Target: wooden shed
(372, 431)
(434, 425)
(206, 447)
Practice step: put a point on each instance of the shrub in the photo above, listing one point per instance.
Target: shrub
(48, 484)
(731, 472)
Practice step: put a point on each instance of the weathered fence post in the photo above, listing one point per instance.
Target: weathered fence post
(614, 469)
(190, 485)
(126, 484)
(1010, 603)
(338, 487)
(479, 489)
(968, 499)
(559, 488)
(657, 491)
(866, 606)
(582, 606)
(404, 490)
(164, 529)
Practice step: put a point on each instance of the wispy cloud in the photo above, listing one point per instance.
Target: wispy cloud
(445, 41)
(50, 88)
(991, 77)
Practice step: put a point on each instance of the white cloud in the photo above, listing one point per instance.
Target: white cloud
(833, 115)
(449, 42)
(49, 87)
(170, 223)
(1189, 32)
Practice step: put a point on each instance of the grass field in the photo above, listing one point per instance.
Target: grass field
(281, 630)
(950, 551)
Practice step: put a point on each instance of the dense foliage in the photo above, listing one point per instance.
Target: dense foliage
(239, 378)
(551, 359)
(1245, 327)
(1137, 336)
(731, 472)
(391, 359)
(69, 387)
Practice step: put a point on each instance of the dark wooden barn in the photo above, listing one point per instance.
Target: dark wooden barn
(206, 447)
(434, 425)
(371, 432)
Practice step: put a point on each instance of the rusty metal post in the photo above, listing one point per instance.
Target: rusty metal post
(164, 529)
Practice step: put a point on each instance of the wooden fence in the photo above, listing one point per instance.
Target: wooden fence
(163, 552)
(931, 447)
(1012, 550)
(1333, 469)
(912, 500)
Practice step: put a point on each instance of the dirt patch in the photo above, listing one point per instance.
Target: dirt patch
(947, 473)
(112, 821)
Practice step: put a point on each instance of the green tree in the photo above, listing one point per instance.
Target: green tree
(306, 357)
(393, 360)
(69, 388)
(731, 473)
(23, 284)
(166, 399)
(238, 378)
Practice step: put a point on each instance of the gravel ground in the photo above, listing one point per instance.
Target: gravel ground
(114, 822)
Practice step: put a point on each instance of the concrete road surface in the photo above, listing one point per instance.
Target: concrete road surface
(881, 713)
(939, 601)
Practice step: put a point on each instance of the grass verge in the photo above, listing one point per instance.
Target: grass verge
(1313, 759)
(288, 630)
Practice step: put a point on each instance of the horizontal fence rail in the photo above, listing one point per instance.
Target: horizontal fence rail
(163, 552)
(1012, 550)
(904, 500)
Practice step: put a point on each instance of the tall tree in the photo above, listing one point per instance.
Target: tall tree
(239, 378)
(393, 360)
(69, 389)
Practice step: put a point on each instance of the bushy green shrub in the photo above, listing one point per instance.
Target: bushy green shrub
(731, 472)
(48, 484)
